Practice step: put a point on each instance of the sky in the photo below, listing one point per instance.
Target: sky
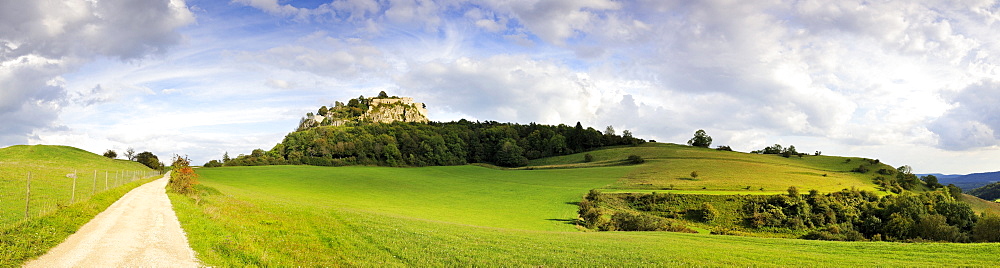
(907, 82)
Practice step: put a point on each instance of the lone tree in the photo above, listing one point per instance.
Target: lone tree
(130, 154)
(111, 154)
(382, 95)
(700, 139)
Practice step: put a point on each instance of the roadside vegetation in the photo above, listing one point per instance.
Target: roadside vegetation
(29, 239)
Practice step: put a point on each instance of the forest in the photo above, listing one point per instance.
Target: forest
(432, 144)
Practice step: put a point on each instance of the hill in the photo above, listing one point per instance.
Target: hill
(970, 181)
(380, 109)
(50, 185)
(989, 192)
(669, 168)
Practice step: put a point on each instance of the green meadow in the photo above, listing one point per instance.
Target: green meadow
(669, 167)
(50, 186)
(475, 216)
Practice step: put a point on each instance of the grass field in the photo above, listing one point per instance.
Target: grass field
(50, 187)
(474, 216)
(669, 166)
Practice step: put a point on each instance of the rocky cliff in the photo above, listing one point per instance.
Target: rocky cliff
(372, 110)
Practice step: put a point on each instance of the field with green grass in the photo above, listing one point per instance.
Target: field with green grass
(50, 187)
(669, 167)
(474, 216)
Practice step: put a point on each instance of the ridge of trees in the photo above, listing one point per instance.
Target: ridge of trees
(432, 144)
(987, 192)
(846, 215)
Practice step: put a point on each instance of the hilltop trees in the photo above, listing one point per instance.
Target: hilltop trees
(432, 144)
(130, 154)
(149, 159)
(110, 154)
(700, 139)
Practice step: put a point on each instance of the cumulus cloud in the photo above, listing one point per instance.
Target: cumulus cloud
(974, 122)
(41, 40)
(349, 59)
(512, 88)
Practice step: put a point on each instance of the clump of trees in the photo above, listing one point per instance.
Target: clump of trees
(146, 158)
(432, 144)
(213, 163)
(150, 160)
(779, 150)
(847, 215)
(861, 215)
(700, 139)
(594, 217)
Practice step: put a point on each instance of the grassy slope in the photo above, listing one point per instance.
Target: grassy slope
(367, 216)
(723, 172)
(48, 166)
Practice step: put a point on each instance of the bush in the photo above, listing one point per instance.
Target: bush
(860, 169)
(724, 148)
(588, 158)
(708, 212)
(182, 179)
(213, 163)
(635, 159)
(632, 221)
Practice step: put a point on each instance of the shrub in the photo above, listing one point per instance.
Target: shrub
(694, 174)
(635, 159)
(632, 221)
(708, 212)
(588, 158)
(724, 148)
(860, 169)
(182, 179)
(213, 163)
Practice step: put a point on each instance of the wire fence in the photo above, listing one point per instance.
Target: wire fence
(30, 194)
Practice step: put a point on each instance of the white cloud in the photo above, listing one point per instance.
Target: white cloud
(42, 40)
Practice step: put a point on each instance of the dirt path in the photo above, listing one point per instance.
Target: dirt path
(139, 230)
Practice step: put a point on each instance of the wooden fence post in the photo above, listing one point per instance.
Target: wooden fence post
(93, 190)
(27, 197)
(72, 198)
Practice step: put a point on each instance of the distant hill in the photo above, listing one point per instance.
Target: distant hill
(988, 192)
(970, 181)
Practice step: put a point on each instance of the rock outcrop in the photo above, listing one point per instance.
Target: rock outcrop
(379, 110)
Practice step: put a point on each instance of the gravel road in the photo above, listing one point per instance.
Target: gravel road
(139, 230)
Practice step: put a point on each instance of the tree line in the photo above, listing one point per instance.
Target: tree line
(846, 215)
(431, 144)
(146, 158)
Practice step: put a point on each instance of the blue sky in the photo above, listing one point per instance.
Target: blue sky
(908, 82)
